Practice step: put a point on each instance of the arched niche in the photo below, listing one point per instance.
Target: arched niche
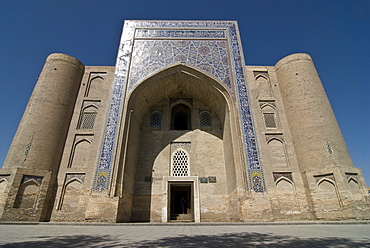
(94, 87)
(277, 153)
(264, 87)
(328, 194)
(354, 187)
(71, 195)
(27, 194)
(80, 154)
(285, 194)
(145, 154)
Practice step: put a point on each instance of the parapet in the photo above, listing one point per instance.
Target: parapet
(292, 57)
(65, 58)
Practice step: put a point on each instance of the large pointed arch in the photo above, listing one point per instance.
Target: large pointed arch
(185, 69)
(178, 81)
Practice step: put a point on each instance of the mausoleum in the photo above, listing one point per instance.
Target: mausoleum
(180, 129)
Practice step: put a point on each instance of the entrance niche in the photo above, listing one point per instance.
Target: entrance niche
(161, 165)
(181, 202)
(180, 117)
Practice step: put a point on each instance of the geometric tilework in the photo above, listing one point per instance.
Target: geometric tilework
(212, 47)
(174, 33)
(211, 56)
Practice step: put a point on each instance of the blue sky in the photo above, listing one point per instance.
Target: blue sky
(335, 33)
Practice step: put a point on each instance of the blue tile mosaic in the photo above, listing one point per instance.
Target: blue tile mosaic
(210, 56)
(211, 46)
(179, 33)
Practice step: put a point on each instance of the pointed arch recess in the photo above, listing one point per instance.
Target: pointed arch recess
(286, 194)
(284, 178)
(328, 194)
(71, 195)
(107, 167)
(275, 138)
(73, 153)
(264, 105)
(261, 75)
(278, 153)
(215, 89)
(264, 86)
(93, 90)
(351, 178)
(27, 194)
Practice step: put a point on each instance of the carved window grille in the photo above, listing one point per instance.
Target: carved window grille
(269, 120)
(180, 164)
(155, 119)
(205, 119)
(87, 119)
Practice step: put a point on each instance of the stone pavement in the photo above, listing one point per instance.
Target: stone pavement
(332, 234)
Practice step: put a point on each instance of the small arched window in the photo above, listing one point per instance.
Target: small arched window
(155, 119)
(87, 119)
(180, 117)
(205, 118)
(269, 116)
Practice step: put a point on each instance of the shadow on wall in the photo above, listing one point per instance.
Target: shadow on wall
(225, 240)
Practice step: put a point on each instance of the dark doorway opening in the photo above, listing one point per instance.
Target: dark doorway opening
(181, 202)
(180, 117)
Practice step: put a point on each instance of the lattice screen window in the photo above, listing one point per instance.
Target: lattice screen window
(180, 164)
(87, 119)
(205, 119)
(269, 120)
(155, 119)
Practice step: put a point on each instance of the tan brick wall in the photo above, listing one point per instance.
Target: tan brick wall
(80, 156)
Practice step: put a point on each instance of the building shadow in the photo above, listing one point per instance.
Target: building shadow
(245, 239)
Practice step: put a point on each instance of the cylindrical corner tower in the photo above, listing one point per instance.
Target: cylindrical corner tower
(40, 138)
(335, 188)
(32, 163)
(317, 138)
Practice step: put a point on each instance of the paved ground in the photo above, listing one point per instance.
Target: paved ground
(185, 235)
